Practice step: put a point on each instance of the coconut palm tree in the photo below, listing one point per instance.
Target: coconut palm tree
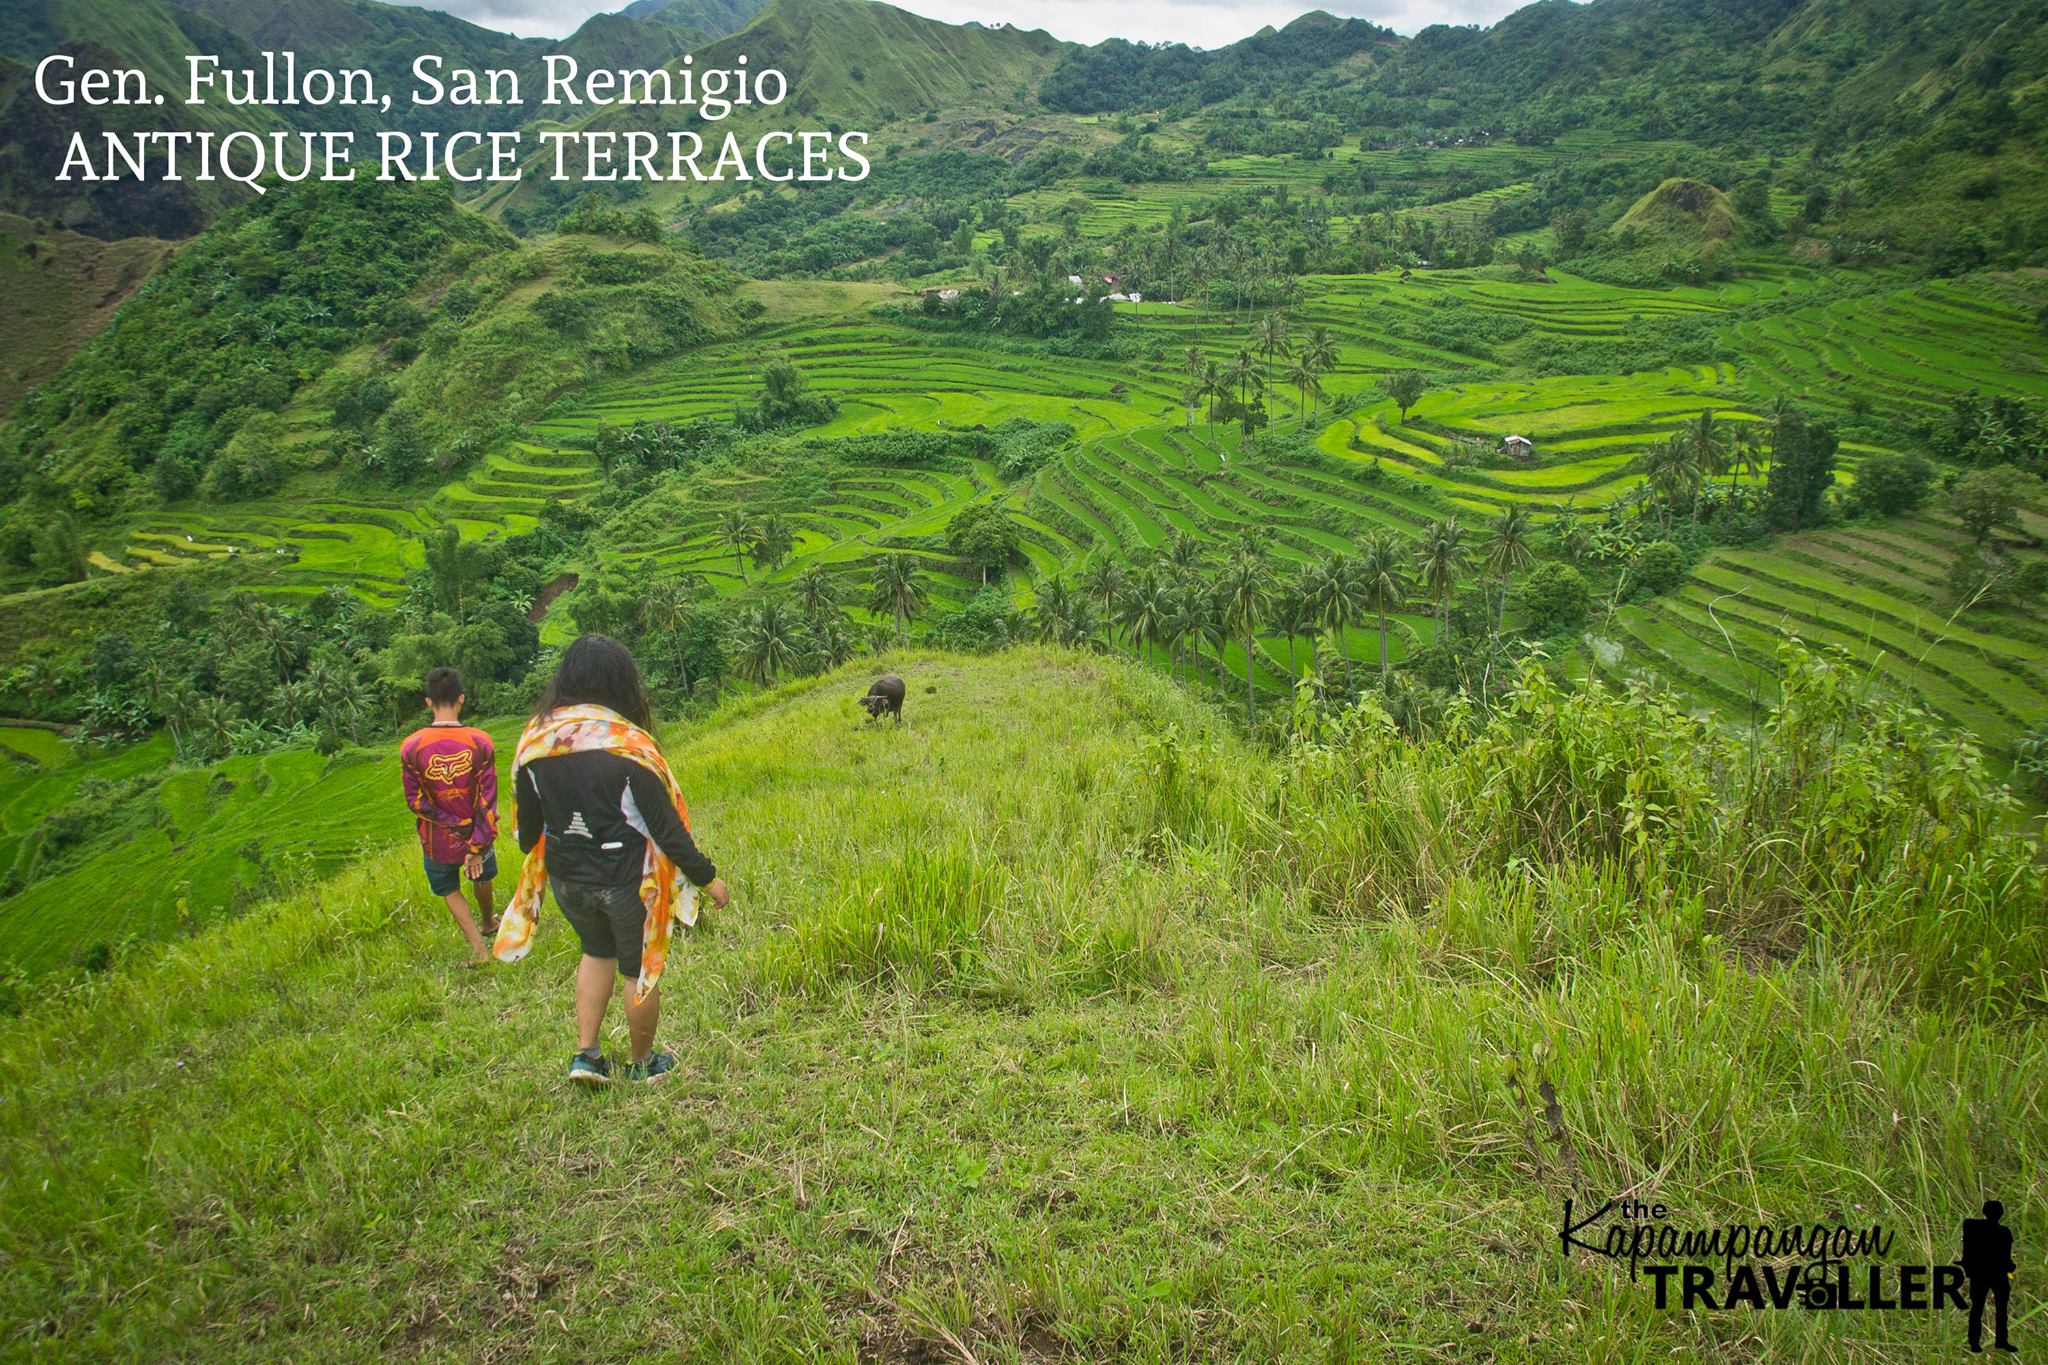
(1290, 612)
(1143, 608)
(1321, 348)
(832, 643)
(1243, 377)
(1053, 613)
(211, 724)
(1180, 623)
(1439, 560)
(770, 642)
(1383, 583)
(1333, 598)
(898, 589)
(1184, 553)
(737, 533)
(1711, 447)
(1244, 592)
(773, 543)
(1509, 552)
(1213, 387)
(1307, 381)
(1271, 337)
(1671, 471)
(1193, 365)
(1749, 450)
(815, 593)
(1102, 582)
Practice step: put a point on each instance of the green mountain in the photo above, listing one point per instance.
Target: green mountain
(703, 18)
(859, 60)
(1122, 75)
(346, 326)
(856, 64)
(384, 39)
(61, 289)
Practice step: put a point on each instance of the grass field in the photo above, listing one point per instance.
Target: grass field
(1019, 1043)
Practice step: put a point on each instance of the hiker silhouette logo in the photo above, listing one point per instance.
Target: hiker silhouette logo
(1987, 1260)
(1820, 1265)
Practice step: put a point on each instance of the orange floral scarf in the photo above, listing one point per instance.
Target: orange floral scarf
(666, 892)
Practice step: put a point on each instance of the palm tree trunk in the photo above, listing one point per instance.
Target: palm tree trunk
(1383, 649)
(1251, 714)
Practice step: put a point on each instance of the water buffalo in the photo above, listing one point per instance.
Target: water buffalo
(886, 695)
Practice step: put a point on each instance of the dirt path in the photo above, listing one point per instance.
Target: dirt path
(539, 610)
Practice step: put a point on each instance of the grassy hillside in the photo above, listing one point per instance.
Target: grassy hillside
(1031, 1035)
(61, 288)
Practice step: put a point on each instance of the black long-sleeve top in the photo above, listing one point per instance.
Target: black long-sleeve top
(598, 810)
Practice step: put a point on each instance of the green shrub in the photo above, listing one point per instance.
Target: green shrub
(1556, 597)
(1890, 484)
(1660, 566)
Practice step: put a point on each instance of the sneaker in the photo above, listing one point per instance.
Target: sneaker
(655, 1068)
(590, 1071)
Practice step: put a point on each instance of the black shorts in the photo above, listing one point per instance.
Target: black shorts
(610, 920)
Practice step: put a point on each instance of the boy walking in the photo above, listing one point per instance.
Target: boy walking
(451, 784)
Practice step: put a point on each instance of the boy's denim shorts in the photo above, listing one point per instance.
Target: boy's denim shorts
(445, 879)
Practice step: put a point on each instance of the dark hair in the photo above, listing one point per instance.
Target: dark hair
(597, 670)
(444, 686)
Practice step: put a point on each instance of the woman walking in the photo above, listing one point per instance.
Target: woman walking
(602, 821)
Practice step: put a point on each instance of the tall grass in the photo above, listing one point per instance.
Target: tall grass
(1848, 826)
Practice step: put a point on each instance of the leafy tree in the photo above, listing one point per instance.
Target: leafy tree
(1802, 471)
(1660, 566)
(1987, 500)
(1406, 388)
(986, 537)
(786, 400)
(1891, 484)
(1556, 597)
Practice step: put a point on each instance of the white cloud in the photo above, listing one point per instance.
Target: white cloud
(1202, 23)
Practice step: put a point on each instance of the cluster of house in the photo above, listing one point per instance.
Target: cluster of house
(950, 295)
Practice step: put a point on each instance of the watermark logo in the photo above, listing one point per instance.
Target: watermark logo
(1808, 1267)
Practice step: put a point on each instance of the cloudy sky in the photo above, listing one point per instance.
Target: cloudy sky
(1204, 23)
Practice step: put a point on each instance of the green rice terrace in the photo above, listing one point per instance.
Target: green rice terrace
(1876, 353)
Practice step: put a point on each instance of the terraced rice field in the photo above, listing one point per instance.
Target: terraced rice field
(362, 545)
(1877, 353)
(1876, 592)
(204, 840)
